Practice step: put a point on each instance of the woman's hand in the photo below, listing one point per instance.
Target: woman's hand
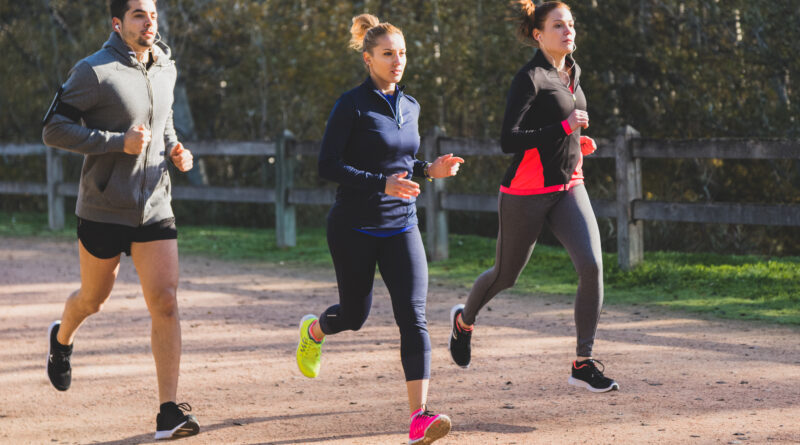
(588, 146)
(401, 188)
(578, 119)
(445, 166)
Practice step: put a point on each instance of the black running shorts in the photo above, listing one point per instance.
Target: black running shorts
(105, 240)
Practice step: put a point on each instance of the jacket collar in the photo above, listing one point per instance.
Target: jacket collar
(161, 52)
(540, 60)
(368, 83)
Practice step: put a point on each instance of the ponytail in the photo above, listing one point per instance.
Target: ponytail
(367, 29)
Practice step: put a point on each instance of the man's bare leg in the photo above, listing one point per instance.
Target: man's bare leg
(97, 279)
(157, 265)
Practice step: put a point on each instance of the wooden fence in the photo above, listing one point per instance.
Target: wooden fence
(629, 209)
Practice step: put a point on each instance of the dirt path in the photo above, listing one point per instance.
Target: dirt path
(684, 379)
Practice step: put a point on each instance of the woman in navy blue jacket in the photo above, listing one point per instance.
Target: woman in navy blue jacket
(369, 149)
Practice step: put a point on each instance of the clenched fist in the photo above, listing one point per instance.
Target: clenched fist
(136, 139)
(578, 118)
(182, 158)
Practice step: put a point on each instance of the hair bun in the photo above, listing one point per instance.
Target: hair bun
(528, 7)
(361, 24)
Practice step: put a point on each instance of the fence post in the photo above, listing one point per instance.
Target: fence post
(630, 233)
(435, 215)
(55, 176)
(285, 222)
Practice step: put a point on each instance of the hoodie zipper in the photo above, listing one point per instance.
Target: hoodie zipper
(398, 115)
(143, 69)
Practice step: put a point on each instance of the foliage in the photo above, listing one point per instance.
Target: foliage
(669, 68)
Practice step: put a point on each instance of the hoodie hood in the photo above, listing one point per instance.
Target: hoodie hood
(161, 52)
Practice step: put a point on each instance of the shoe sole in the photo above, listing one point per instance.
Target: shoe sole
(47, 359)
(435, 431)
(185, 429)
(303, 320)
(581, 384)
(453, 311)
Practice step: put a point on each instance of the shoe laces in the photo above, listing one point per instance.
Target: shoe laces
(592, 364)
(420, 421)
(185, 407)
(307, 347)
(60, 357)
(424, 413)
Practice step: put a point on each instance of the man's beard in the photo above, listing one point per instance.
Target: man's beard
(145, 43)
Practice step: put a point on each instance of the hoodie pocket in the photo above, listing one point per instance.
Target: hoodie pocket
(123, 188)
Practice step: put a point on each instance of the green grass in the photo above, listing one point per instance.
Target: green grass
(725, 286)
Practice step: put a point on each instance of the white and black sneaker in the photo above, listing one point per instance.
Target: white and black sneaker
(172, 423)
(460, 339)
(59, 369)
(586, 375)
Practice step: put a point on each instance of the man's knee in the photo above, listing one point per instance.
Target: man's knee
(88, 303)
(164, 302)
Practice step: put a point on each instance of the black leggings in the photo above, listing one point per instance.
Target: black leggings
(571, 219)
(404, 268)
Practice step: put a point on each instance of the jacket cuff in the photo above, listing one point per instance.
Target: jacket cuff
(116, 143)
(566, 127)
(381, 183)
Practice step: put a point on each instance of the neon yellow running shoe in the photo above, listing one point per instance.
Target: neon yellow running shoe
(308, 350)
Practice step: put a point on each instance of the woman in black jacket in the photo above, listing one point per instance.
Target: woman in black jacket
(545, 112)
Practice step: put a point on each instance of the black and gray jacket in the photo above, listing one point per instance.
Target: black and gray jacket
(113, 92)
(547, 155)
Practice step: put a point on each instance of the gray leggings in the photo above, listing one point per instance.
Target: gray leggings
(571, 219)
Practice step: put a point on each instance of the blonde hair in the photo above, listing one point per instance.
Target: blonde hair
(367, 29)
(533, 17)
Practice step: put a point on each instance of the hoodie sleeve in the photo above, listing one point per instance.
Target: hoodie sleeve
(80, 91)
(331, 162)
(514, 139)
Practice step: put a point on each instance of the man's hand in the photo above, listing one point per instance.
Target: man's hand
(182, 158)
(136, 139)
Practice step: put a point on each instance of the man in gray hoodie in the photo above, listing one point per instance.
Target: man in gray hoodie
(116, 110)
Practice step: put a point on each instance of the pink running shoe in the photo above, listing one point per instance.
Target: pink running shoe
(427, 427)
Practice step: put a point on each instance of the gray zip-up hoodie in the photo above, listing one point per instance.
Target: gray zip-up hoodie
(115, 92)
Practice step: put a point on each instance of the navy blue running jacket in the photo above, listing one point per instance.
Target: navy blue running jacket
(365, 141)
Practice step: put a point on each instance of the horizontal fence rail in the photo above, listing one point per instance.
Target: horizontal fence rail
(627, 149)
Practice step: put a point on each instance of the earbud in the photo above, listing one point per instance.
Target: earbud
(116, 27)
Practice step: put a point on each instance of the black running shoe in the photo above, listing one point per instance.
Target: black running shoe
(459, 343)
(586, 375)
(172, 423)
(59, 369)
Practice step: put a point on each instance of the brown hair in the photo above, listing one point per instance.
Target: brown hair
(533, 17)
(118, 8)
(367, 29)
